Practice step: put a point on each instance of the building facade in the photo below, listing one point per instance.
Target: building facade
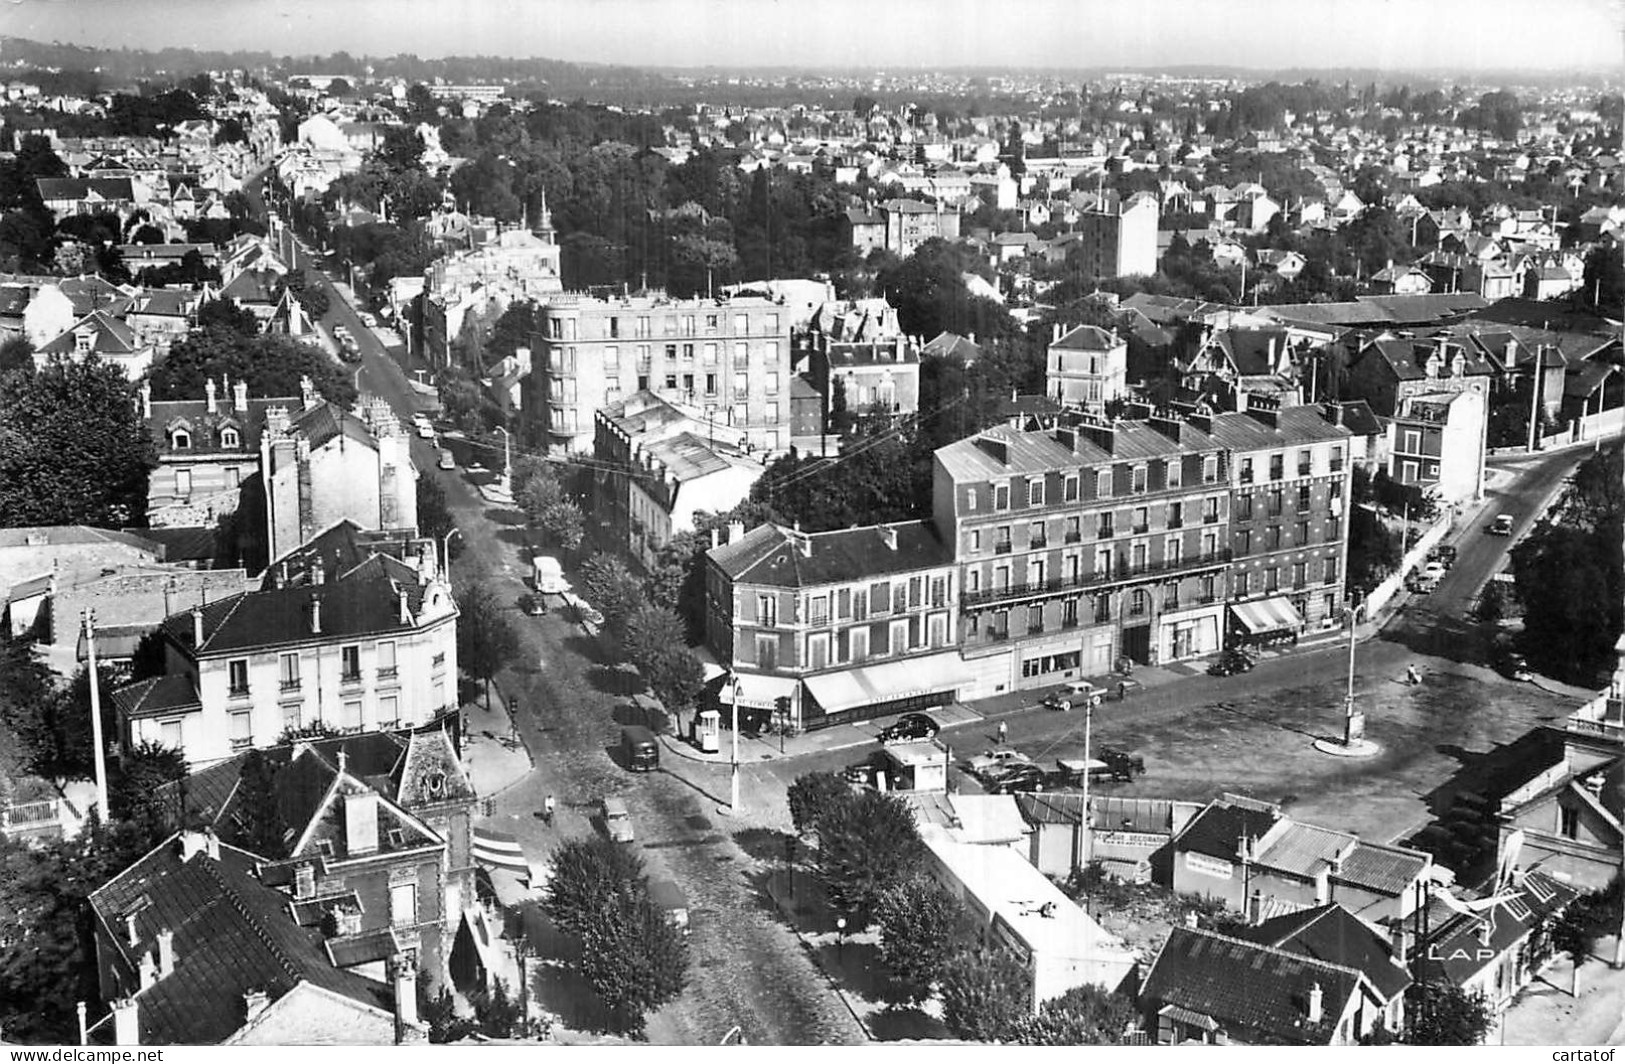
(728, 357)
(1087, 367)
(1436, 444)
(845, 625)
(1119, 239)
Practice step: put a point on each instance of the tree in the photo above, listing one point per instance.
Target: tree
(585, 874)
(134, 790)
(676, 677)
(633, 958)
(865, 847)
(1605, 280)
(486, 641)
(655, 641)
(986, 994)
(261, 829)
(812, 797)
(1439, 1013)
(918, 920)
(608, 584)
(16, 354)
(434, 515)
(270, 365)
(223, 313)
(1084, 1016)
(73, 448)
(542, 497)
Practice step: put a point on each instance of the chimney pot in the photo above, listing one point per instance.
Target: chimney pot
(404, 977)
(736, 531)
(406, 609)
(166, 952)
(254, 1003)
(197, 627)
(315, 615)
(1317, 1006)
(126, 1025)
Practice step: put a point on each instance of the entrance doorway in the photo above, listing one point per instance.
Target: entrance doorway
(1137, 643)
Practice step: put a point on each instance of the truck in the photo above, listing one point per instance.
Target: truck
(548, 575)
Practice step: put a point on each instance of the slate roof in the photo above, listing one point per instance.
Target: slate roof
(326, 421)
(183, 544)
(1218, 830)
(232, 933)
(1087, 338)
(75, 188)
(206, 424)
(163, 696)
(111, 336)
(946, 344)
(1359, 418)
(1454, 952)
(1257, 991)
(339, 550)
(251, 286)
(767, 554)
(1253, 352)
(879, 353)
(363, 602)
(1333, 934)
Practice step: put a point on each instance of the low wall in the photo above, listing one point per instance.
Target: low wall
(1383, 592)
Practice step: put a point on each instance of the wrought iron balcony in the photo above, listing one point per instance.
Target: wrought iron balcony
(1122, 574)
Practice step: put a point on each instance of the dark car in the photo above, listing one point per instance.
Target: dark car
(1121, 764)
(910, 726)
(863, 773)
(1022, 779)
(1231, 661)
(1445, 555)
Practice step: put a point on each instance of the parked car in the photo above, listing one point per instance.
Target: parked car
(1508, 662)
(669, 898)
(863, 773)
(1121, 764)
(1021, 779)
(640, 749)
(425, 431)
(447, 461)
(1231, 660)
(1501, 526)
(910, 726)
(1080, 693)
(996, 760)
(1445, 555)
(368, 320)
(617, 821)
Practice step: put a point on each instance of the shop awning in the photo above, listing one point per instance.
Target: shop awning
(869, 684)
(759, 692)
(497, 849)
(1267, 615)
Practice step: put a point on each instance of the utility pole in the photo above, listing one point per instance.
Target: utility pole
(1534, 396)
(96, 717)
(733, 772)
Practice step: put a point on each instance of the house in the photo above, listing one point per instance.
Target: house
(1263, 864)
(322, 465)
(952, 346)
(866, 230)
(1129, 837)
(1233, 365)
(1388, 368)
(660, 467)
(1207, 988)
(1332, 934)
(1436, 444)
(1285, 264)
(881, 377)
(1018, 909)
(359, 646)
(1086, 367)
(104, 336)
(1498, 944)
(193, 948)
(65, 197)
(370, 835)
(846, 625)
(1401, 281)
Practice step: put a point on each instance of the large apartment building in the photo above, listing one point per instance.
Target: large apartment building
(1119, 238)
(727, 357)
(1082, 546)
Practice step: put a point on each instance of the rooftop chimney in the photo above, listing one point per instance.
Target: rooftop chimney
(126, 1025)
(315, 615)
(148, 969)
(1400, 940)
(1317, 1003)
(210, 393)
(403, 975)
(307, 393)
(254, 1003)
(166, 952)
(361, 822)
(888, 535)
(406, 610)
(996, 448)
(736, 531)
(197, 627)
(1255, 908)
(318, 575)
(132, 933)
(239, 397)
(716, 538)
(146, 401)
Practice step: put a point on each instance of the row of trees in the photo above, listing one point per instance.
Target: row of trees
(652, 638)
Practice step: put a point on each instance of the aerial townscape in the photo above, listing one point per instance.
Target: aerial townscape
(776, 552)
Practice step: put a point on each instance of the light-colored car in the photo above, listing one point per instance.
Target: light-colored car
(1075, 694)
(1433, 572)
(425, 431)
(996, 760)
(368, 320)
(617, 821)
(1502, 525)
(447, 461)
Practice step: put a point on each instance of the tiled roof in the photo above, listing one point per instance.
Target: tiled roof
(1465, 945)
(1040, 451)
(183, 544)
(1383, 869)
(326, 421)
(160, 697)
(1087, 338)
(111, 336)
(1303, 849)
(768, 554)
(1218, 830)
(206, 424)
(233, 934)
(1259, 989)
(1331, 933)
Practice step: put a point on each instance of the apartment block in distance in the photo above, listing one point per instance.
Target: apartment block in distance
(1118, 238)
(729, 358)
(1078, 546)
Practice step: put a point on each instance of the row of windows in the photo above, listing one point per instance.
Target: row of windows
(1139, 482)
(290, 667)
(1136, 558)
(1104, 525)
(1270, 538)
(1275, 500)
(181, 439)
(861, 643)
(183, 479)
(643, 326)
(561, 361)
(858, 604)
(1301, 574)
(1305, 466)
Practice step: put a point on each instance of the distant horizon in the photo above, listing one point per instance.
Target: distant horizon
(1420, 37)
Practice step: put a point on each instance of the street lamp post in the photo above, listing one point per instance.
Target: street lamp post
(733, 774)
(840, 938)
(96, 716)
(507, 460)
(445, 553)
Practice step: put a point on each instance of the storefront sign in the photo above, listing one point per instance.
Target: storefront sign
(1209, 866)
(1140, 839)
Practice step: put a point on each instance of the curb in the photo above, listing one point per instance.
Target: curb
(811, 950)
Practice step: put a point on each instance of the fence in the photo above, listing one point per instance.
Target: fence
(1587, 429)
(1415, 556)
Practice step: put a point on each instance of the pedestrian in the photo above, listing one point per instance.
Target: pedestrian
(1412, 676)
(1004, 732)
(1122, 690)
(547, 809)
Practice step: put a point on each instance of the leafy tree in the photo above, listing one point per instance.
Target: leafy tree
(261, 829)
(650, 632)
(633, 958)
(223, 313)
(865, 847)
(813, 797)
(270, 365)
(1605, 280)
(676, 677)
(1084, 1016)
(1439, 1013)
(986, 994)
(1374, 551)
(608, 584)
(134, 790)
(434, 515)
(73, 448)
(25, 689)
(16, 354)
(918, 920)
(542, 496)
(438, 1009)
(587, 874)
(1491, 604)
(486, 640)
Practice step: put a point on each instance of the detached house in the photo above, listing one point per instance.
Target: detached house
(1087, 367)
(360, 647)
(101, 335)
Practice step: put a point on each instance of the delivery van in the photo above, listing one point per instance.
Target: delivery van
(640, 749)
(548, 575)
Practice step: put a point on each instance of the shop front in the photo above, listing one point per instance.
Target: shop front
(1191, 633)
(1265, 621)
(910, 685)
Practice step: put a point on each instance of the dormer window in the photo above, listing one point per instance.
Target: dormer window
(181, 440)
(83, 342)
(229, 438)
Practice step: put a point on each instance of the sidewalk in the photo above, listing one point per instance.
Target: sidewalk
(766, 747)
(494, 754)
(1545, 1015)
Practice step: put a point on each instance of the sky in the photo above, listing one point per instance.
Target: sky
(1547, 35)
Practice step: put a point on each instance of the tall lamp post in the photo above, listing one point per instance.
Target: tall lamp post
(445, 553)
(733, 772)
(96, 716)
(507, 460)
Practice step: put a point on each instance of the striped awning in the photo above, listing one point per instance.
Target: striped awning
(497, 849)
(1267, 615)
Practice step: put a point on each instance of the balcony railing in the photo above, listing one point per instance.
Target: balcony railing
(1118, 574)
(1038, 543)
(1337, 465)
(1142, 529)
(386, 672)
(1304, 470)
(1210, 519)
(1105, 532)
(1035, 629)
(997, 635)
(350, 677)
(1069, 622)
(290, 685)
(1246, 476)
(245, 743)
(1176, 522)
(1074, 537)
(1001, 548)
(237, 692)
